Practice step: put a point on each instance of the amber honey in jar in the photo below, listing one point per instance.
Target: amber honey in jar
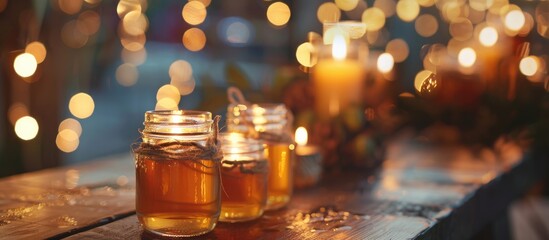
(244, 171)
(177, 173)
(269, 122)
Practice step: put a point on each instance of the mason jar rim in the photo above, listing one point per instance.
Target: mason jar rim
(177, 122)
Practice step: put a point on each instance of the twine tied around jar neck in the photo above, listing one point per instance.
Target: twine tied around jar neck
(183, 150)
(236, 97)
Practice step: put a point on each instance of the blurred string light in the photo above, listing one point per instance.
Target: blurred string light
(81, 105)
(426, 25)
(398, 49)
(304, 54)
(407, 10)
(134, 57)
(70, 6)
(127, 74)
(72, 124)
(72, 36)
(529, 65)
(374, 18)
(278, 14)
(88, 22)
(26, 128)
(514, 20)
(467, 57)
(16, 111)
(420, 79)
(194, 12)
(385, 62)
(388, 7)
(133, 24)
(25, 64)
(236, 31)
(328, 12)
(346, 5)
(167, 98)
(461, 29)
(488, 36)
(68, 135)
(38, 50)
(67, 140)
(181, 77)
(194, 39)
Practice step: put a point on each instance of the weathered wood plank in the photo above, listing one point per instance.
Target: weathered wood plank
(62, 200)
(425, 193)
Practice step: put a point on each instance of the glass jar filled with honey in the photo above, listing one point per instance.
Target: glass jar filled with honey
(244, 172)
(270, 123)
(177, 173)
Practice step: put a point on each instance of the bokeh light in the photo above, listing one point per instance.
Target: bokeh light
(70, 6)
(426, 3)
(166, 104)
(180, 70)
(136, 58)
(328, 12)
(133, 43)
(72, 124)
(374, 19)
(385, 62)
(135, 23)
(194, 39)
(514, 20)
(194, 12)
(488, 36)
(88, 22)
(398, 48)
(81, 105)
(529, 65)
(304, 54)
(26, 128)
(467, 57)
(426, 25)
(205, 2)
(387, 6)
(72, 36)
(16, 111)
(346, 5)
(127, 74)
(126, 6)
(407, 10)
(38, 50)
(236, 31)
(461, 29)
(420, 78)
(67, 140)
(168, 91)
(181, 77)
(278, 13)
(25, 65)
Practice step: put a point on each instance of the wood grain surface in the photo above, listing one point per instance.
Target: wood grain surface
(425, 193)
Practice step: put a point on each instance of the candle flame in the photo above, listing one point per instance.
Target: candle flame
(301, 137)
(339, 48)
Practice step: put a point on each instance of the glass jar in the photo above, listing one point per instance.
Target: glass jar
(269, 122)
(177, 173)
(244, 171)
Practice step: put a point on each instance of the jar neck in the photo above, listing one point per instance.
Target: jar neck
(179, 125)
(236, 148)
(272, 118)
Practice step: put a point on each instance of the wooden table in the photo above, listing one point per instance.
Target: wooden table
(442, 193)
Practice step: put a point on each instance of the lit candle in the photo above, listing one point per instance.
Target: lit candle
(244, 171)
(337, 80)
(308, 167)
